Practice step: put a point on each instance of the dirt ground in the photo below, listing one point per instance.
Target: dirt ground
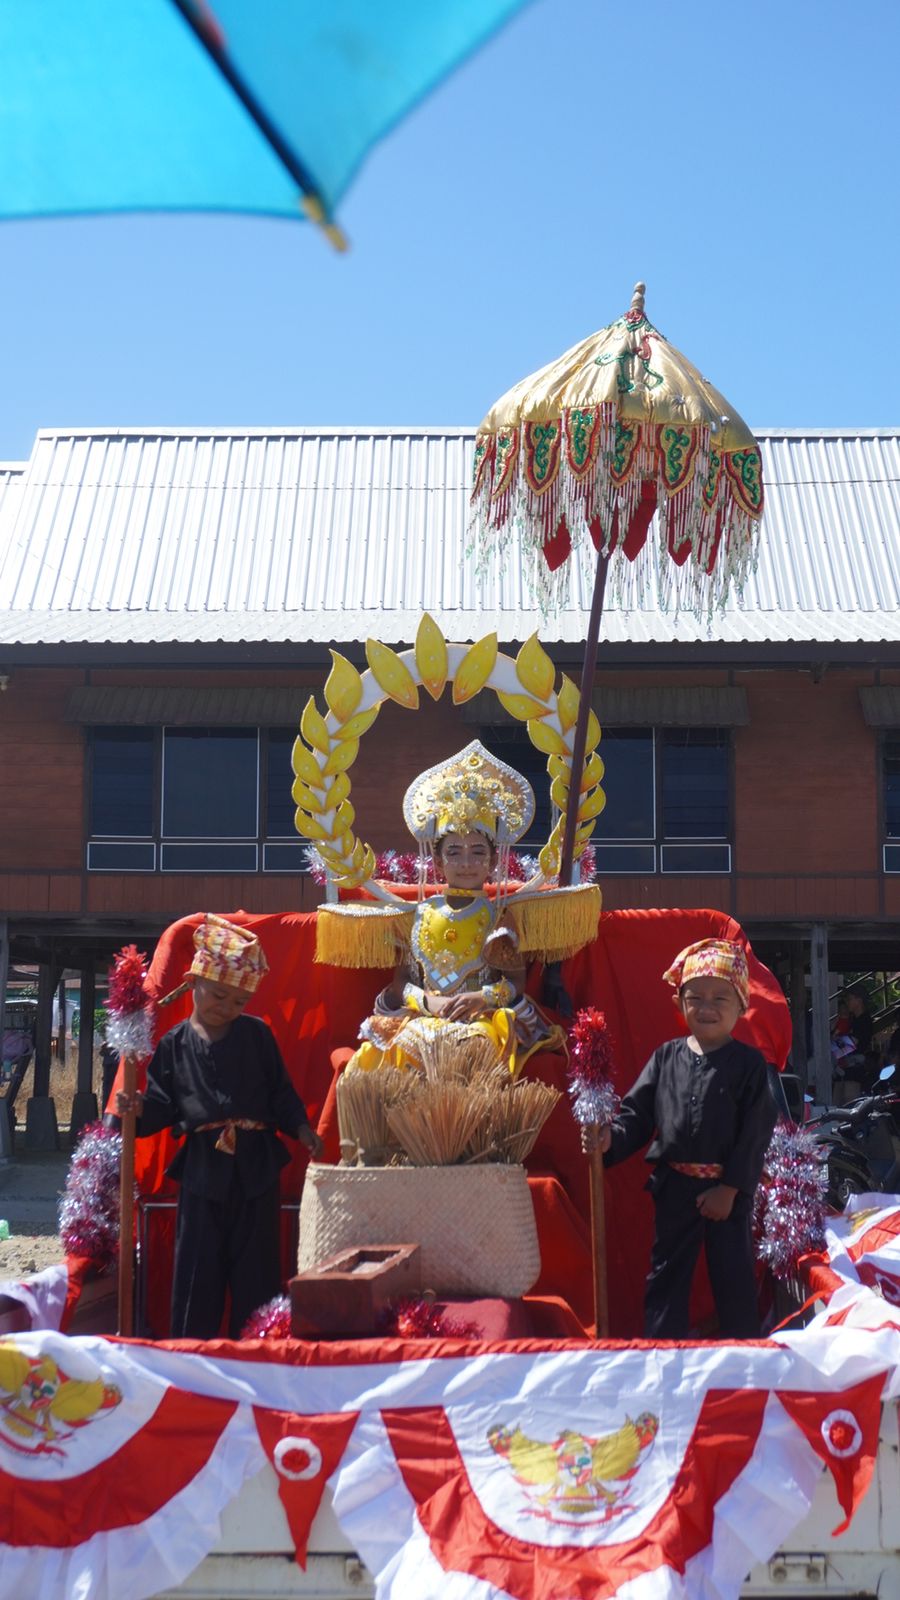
(30, 1185)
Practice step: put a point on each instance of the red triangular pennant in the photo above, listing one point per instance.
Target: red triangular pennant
(842, 1428)
(304, 1450)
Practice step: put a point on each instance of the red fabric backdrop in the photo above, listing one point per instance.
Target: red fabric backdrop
(316, 1010)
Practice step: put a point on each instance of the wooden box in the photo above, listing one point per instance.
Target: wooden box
(348, 1294)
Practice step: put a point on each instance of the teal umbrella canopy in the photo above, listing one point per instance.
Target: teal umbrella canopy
(265, 106)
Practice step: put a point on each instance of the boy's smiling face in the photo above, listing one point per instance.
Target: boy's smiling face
(710, 1007)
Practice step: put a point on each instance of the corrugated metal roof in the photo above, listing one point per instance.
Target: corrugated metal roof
(11, 476)
(301, 535)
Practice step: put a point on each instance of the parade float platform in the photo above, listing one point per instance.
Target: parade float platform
(525, 1459)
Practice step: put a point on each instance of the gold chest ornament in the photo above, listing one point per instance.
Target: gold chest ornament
(448, 943)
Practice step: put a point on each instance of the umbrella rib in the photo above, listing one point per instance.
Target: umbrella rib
(205, 31)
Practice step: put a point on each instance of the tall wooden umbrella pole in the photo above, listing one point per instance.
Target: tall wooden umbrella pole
(125, 1317)
(589, 667)
(598, 1246)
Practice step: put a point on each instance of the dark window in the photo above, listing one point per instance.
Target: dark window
(285, 857)
(121, 803)
(892, 787)
(695, 858)
(209, 858)
(628, 783)
(203, 799)
(637, 859)
(660, 785)
(694, 783)
(279, 778)
(116, 856)
(512, 745)
(210, 783)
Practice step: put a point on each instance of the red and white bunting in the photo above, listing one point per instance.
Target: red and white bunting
(458, 1470)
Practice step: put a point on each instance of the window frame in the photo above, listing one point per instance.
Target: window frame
(260, 842)
(660, 839)
(890, 842)
(656, 843)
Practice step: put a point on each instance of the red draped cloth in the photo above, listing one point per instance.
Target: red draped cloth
(315, 1011)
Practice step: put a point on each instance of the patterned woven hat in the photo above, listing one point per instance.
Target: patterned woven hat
(225, 953)
(712, 958)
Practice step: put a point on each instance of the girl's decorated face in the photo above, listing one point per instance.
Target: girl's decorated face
(466, 859)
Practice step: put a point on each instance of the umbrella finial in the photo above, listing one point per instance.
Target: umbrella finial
(637, 298)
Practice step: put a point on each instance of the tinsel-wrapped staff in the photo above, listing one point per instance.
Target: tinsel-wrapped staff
(594, 1104)
(130, 1031)
(585, 452)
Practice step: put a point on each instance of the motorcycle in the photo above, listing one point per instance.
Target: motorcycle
(862, 1140)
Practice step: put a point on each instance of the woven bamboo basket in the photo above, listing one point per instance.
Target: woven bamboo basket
(475, 1225)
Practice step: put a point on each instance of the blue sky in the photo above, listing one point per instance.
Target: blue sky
(741, 160)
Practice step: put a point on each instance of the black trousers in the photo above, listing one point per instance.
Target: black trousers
(224, 1245)
(680, 1234)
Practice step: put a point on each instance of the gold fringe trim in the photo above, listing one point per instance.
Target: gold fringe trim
(362, 936)
(554, 924)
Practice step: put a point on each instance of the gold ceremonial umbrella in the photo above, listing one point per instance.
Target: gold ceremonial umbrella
(620, 427)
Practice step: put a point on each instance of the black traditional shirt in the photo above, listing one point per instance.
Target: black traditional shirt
(191, 1081)
(700, 1108)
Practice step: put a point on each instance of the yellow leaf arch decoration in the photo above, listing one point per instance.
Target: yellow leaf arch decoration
(326, 746)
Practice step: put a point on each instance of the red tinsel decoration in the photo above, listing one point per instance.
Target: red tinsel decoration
(412, 1318)
(407, 870)
(587, 863)
(271, 1321)
(594, 1100)
(126, 982)
(590, 1046)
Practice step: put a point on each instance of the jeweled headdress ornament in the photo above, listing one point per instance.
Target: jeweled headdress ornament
(471, 792)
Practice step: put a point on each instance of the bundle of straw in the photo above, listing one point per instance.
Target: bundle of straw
(518, 1116)
(446, 1055)
(463, 1105)
(435, 1123)
(363, 1102)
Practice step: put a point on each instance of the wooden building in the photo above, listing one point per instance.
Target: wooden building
(167, 602)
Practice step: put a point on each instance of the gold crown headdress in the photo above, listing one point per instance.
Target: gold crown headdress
(472, 791)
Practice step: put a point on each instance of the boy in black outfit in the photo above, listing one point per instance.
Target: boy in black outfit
(219, 1079)
(706, 1103)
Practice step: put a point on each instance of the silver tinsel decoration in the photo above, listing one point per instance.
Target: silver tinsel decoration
(789, 1206)
(592, 1103)
(89, 1209)
(131, 1033)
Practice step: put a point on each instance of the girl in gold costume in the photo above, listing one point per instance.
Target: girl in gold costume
(462, 951)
